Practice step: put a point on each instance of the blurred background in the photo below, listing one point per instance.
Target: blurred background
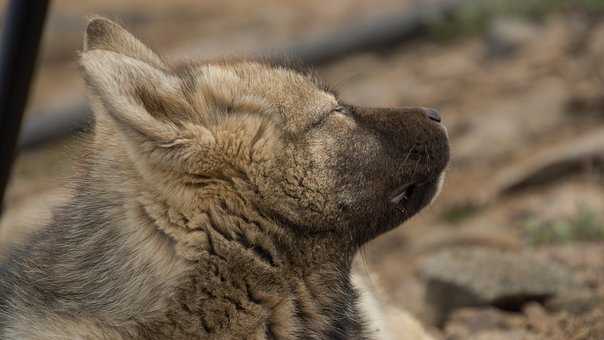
(514, 246)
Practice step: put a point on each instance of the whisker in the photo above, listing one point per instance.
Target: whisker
(415, 168)
(428, 160)
(409, 153)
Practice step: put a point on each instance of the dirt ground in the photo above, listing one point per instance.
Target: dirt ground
(526, 128)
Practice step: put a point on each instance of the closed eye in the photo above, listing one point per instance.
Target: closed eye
(343, 110)
(340, 109)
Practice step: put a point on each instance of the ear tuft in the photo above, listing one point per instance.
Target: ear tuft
(97, 31)
(104, 34)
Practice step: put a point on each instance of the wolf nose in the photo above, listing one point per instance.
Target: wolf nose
(433, 115)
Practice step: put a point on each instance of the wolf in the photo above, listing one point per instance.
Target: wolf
(220, 200)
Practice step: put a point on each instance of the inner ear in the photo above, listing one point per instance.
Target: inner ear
(167, 106)
(138, 96)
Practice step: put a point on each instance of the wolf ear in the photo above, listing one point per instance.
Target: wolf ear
(134, 93)
(104, 34)
(145, 101)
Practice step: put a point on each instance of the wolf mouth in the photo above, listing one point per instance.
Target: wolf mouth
(412, 197)
(403, 193)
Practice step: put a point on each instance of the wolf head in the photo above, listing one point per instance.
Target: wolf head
(271, 136)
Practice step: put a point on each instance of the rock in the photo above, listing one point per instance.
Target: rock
(585, 153)
(480, 276)
(507, 35)
(585, 260)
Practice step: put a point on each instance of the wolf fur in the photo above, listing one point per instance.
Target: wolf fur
(216, 201)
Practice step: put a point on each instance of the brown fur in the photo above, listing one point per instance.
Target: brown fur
(216, 201)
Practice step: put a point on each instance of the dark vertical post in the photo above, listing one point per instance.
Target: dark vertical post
(18, 53)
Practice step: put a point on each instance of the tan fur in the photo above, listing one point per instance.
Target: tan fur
(217, 201)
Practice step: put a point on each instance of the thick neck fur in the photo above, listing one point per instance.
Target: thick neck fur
(225, 270)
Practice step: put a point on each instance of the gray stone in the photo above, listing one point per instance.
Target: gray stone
(480, 276)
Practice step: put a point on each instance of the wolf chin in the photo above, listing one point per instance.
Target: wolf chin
(217, 201)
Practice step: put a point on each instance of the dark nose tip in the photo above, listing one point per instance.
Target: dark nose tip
(433, 115)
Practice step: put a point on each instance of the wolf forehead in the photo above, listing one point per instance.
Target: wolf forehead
(256, 88)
